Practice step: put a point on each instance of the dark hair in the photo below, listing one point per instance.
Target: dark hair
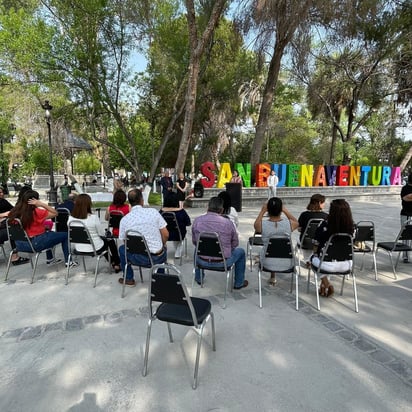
(215, 205)
(171, 200)
(119, 197)
(340, 217)
(23, 210)
(227, 202)
(315, 201)
(135, 197)
(274, 206)
(410, 178)
(235, 171)
(22, 191)
(82, 206)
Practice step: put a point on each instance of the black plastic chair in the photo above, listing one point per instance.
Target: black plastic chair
(176, 306)
(61, 219)
(173, 227)
(306, 241)
(398, 246)
(338, 248)
(280, 247)
(135, 243)
(16, 233)
(253, 241)
(115, 216)
(79, 234)
(364, 242)
(209, 249)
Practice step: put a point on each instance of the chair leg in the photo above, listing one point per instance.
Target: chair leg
(35, 266)
(124, 279)
(308, 283)
(146, 352)
(97, 268)
(199, 344)
(69, 260)
(226, 288)
(169, 330)
(343, 283)
(316, 289)
(4, 253)
(260, 287)
(296, 288)
(355, 293)
(84, 265)
(374, 266)
(141, 274)
(8, 265)
(393, 266)
(212, 316)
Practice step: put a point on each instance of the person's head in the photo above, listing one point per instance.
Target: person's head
(272, 172)
(410, 179)
(316, 203)
(72, 197)
(1, 192)
(181, 176)
(227, 201)
(235, 173)
(22, 191)
(82, 207)
(171, 200)
(167, 173)
(215, 205)
(119, 197)
(135, 197)
(23, 210)
(274, 206)
(340, 217)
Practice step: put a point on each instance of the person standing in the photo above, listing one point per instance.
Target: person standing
(150, 223)
(182, 186)
(214, 221)
(406, 211)
(236, 178)
(167, 184)
(272, 183)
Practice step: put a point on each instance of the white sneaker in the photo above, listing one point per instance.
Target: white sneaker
(73, 264)
(54, 261)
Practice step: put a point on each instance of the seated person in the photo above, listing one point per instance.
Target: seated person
(171, 204)
(214, 221)
(314, 210)
(228, 209)
(339, 221)
(119, 205)
(150, 223)
(68, 203)
(82, 211)
(275, 225)
(32, 213)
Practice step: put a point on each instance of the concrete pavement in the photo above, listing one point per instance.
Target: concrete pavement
(79, 348)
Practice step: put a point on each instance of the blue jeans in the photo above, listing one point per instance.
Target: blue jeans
(238, 258)
(46, 240)
(139, 260)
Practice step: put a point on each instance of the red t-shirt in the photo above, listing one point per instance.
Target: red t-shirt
(37, 227)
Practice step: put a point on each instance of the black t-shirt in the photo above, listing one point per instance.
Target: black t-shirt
(5, 205)
(306, 216)
(406, 206)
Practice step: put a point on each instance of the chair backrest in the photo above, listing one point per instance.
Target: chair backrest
(406, 231)
(61, 219)
(78, 233)
(309, 233)
(135, 243)
(169, 288)
(115, 217)
(172, 225)
(209, 245)
(280, 247)
(339, 247)
(16, 232)
(365, 231)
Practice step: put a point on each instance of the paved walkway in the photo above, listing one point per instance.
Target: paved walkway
(76, 348)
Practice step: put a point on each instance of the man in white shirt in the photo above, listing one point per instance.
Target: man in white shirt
(272, 182)
(150, 223)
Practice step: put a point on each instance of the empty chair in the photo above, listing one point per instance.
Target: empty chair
(254, 241)
(18, 234)
(209, 251)
(398, 246)
(282, 260)
(339, 248)
(306, 239)
(61, 219)
(79, 234)
(176, 306)
(364, 241)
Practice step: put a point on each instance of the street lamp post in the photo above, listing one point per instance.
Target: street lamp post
(52, 192)
(357, 146)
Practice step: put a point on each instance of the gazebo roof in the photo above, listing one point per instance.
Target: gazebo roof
(77, 143)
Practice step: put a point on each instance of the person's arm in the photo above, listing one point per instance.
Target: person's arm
(258, 222)
(407, 198)
(294, 224)
(51, 211)
(165, 235)
(107, 214)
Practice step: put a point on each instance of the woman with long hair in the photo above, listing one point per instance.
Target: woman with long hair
(339, 220)
(118, 204)
(228, 210)
(82, 211)
(279, 222)
(32, 213)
